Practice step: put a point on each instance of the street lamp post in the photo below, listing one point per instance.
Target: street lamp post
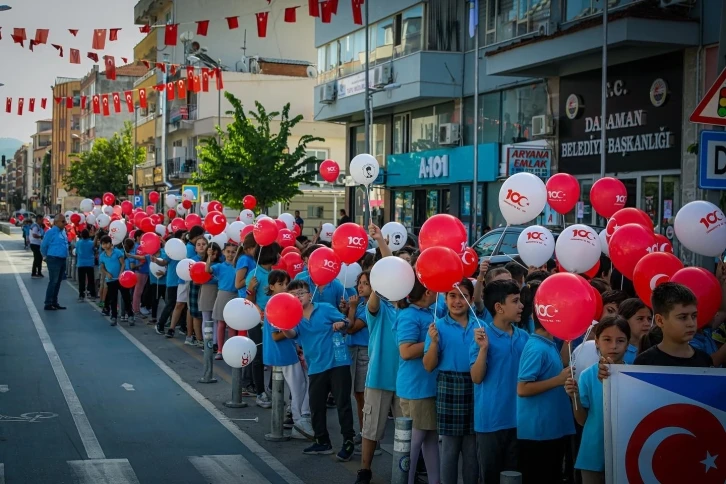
(136, 146)
(604, 89)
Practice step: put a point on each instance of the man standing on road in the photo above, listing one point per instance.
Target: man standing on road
(36, 237)
(344, 218)
(298, 220)
(54, 249)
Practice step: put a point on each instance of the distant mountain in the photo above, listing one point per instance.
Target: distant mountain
(8, 147)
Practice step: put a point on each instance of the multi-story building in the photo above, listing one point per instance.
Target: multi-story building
(254, 69)
(94, 126)
(24, 173)
(41, 147)
(539, 100)
(66, 139)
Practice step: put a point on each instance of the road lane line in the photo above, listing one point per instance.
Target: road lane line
(88, 436)
(227, 469)
(105, 471)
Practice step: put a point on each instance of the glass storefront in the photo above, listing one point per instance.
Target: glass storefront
(412, 207)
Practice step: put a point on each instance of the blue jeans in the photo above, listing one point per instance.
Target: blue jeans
(56, 274)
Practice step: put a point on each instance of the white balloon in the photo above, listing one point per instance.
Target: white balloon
(83, 218)
(107, 209)
(208, 237)
(74, 252)
(175, 249)
(117, 230)
(247, 217)
(392, 278)
(170, 201)
(261, 216)
(326, 233)
(188, 195)
(348, 274)
(289, 220)
(103, 220)
(522, 198)
(535, 245)
(91, 219)
(156, 268)
(160, 229)
(241, 314)
(239, 351)
(86, 205)
(364, 169)
(183, 269)
(96, 211)
(180, 210)
(604, 242)
(68, 216)
(395, 234)
(220, 239)
(701, 227)
(203, 208)
(578, 248)
(234, 231)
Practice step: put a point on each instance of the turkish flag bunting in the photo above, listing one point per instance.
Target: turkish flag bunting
(160, 87)
(290, 14)
(190, 78)
(21, 101)
(333, 6)
(18, 40)
(8, 105)
(357, 14)
(161, 66)
(20, 32)
(145, 29)
(93, 56)
(142, 97)
(75, 56)
(125, 60)
(170, 34)
(172, 69)
(232, 22)
(1, 34)
(197, 83)
(110, 67)
(59, 48)
(83, 102)
(147, 64)
(58, 99)
(181, 89)
(313, 8)
(205, 79)
(43, 102)
(202, 27)
(170, 91)
(69, 102)
(31, 104)
(96, 101)
(41, 36)
(99, 39)
(262, 23)
(218, 78)
(326, 12)
(33, 43)
(104, 100)
(113, 34)
(116, 102)
(73, 32)
(130, 100)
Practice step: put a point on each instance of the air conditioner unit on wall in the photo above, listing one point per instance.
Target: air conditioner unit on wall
(341, 179)
(541, 125)
(448, 134)
(381, 75)
(326, 94)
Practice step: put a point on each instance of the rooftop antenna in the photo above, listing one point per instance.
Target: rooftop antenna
(244, 46)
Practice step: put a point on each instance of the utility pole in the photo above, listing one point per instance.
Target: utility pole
(367, 115)
(162, 94)
(136, 128)
(604, 90)
(475, 184)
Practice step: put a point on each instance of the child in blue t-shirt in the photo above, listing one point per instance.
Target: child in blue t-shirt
(640, 319)
(612, 335)
(224, 272)
(85, 258)
(357, 340)
(26, 232)
(112, 263)
(244, 264)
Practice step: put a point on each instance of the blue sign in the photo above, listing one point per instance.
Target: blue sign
(442, 166)
(97, 201)
(138, 201)
(194, 189)
(712, 160)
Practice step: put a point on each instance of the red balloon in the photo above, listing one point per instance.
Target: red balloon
(82, 227)
(249, 202)
(608, 195)
(147, 225)
(628, 245)
(287, 250)
(439, 269)
(280, 266)
(284, 311)
(329, 170)
(443, 230)
(127, 279)
(598, 304)
(178, 224)
(293, 263)
(265, 231)
(115, 216)
(187, 204)
(199, 274)
(75, 218)
(350, 242)
(109, 198)
(285, 238)
(470, 261)
(565, 304)
(171, 214)
(154, 197)
(156, 218)
(215, 206)
(323, 266)
(654, 269)
(12, 220)
(592, 272)
(563, 192)
(21, 217)
(248, 229)
(192, 220)
(626, 216)
(280, 224)
(150, 210)
(129, 228)
(127, 207)
(706, 288)
(215, 222)
(131, 234)
(149, 243)
(138, 217)
(664, 245)
(296, 230)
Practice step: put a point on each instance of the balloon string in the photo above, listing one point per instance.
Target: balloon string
(314, 292)
(259, 253)
(467, 303)
(572, 369)
(518, 263)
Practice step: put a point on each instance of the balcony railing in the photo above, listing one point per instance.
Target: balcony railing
(144, 119)
(179, 168)
(152, 72)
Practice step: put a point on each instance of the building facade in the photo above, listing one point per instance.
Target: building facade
(24, 193)
(66, 138)
(42, 140)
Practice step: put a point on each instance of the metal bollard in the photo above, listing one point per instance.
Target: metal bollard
(278, 407)
(510, 477)
(401, 451)
(208, 332)
(236, 401)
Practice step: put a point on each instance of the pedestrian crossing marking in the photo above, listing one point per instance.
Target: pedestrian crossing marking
(102, 471)
(227, 469)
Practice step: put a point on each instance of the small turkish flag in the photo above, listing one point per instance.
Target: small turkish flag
(205, 79)
(145, 29)
(59, 48)
(41, 36)
(181, 88)
(113, 34)
(75, 56)
(110, 67)
(18, 40)
(170, 34)
(58, 99)
(142, 97)
(197, 83)
(130, 100)
(232, 22)
(43, 102)
(218, 79)
(146, 63)
(33, 43)
(262, 23)
(20, 32)
(190, 78)
(83, 102)
(69, 102)
(125, 60)
(31, 105)
(313, 8)
(161, 66)
(172, 69)
(93, 56)
(202, 27)
(357, 14)
(21, 101)
(290, 14)
(96, 104)
(99, 39)
(170, 91)
(73, 32)
(116, 102)
(333, 6)
(106, 111)
(8, 105)
(327, 12)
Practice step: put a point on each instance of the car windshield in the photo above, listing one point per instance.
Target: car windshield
(485, 247)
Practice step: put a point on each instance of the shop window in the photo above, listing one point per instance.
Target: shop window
(489, 115)
(403, 208)
(519, 105)
(465, 209)
(400, 133)
(425, 125)
(316, 211)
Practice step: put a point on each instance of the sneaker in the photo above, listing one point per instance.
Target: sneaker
(263, 401)
(132, 320)
(35, 276)
(288, 423)
(331, 402)
(218, 356)
(170, 333)
(188, 341)
(81, 299)
(159, 330)
(145, 311)
(295, 434)
(319, 449)
(199, 344)
(106, 313)
(305, 427)
(100, 304)
(249, 392)
(358, 439)
(114, 321)
(364, 476)
(346, 452)
(124, 319)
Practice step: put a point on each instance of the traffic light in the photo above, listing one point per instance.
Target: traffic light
(722, 103)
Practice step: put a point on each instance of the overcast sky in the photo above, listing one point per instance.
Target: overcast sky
(31, 74)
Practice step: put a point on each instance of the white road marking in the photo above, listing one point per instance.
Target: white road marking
(103, 471)
(4, 388)
(88, 436)
(226, 469)
(128, 387)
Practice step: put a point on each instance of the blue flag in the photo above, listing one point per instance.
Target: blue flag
(473, 17)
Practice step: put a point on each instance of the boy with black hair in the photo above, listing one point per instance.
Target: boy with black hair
(538, 275)
(517, 271)
(497, 274)
(611, 301)
(494, 365)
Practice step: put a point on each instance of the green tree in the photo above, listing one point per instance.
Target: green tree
(45, 180)
(251, 159)
(106, 167)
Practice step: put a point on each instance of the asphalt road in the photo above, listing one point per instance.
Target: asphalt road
(82, 402)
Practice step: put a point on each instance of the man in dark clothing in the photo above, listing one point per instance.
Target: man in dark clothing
(344, 218)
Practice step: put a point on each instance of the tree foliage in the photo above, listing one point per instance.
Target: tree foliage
(106, 167)
(251, 159)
